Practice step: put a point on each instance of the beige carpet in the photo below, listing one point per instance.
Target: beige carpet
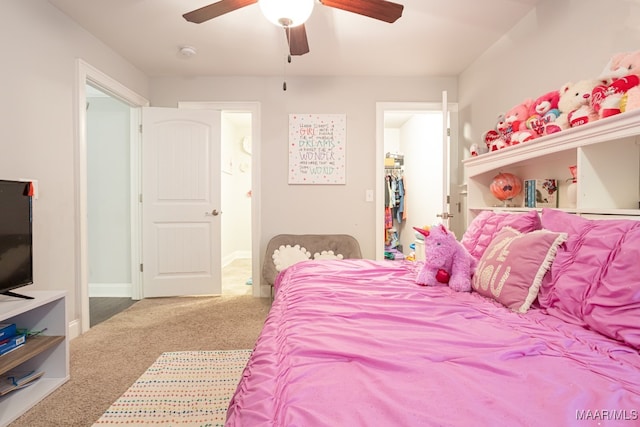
(109, 358)
(235, 276)
(181, 388)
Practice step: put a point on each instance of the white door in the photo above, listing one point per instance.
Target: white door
(180, 202)
(445, 213)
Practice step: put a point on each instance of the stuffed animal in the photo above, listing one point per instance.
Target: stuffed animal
(543, 114)
(516, 120)
(620, 88)
(621, 64)
(446, 260)
(517, 116)
(575, 104)
(606, 99)
(630, 100)
(497, 138)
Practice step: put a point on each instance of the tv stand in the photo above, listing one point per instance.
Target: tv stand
(15, 295)
(47, 352)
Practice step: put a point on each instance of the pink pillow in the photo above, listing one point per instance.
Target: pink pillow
(566, 286)
(484, 227)
(595, 279)
(512, 267)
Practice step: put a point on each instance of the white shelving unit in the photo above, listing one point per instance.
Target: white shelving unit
(48, 352)
(607, 153)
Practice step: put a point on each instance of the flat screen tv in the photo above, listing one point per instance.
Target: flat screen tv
(16, 250)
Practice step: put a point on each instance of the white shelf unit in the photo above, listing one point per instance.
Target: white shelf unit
(49, 352)
(607, 153)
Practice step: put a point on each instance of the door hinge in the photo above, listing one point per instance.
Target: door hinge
(448, 131)
(140, 198)
(140, 128)
(141, 268)
(448, 198)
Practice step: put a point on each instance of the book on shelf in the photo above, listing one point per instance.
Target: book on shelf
(529, 194)
(541, 193)
(12, 343)
(7, 330)
(15, 380)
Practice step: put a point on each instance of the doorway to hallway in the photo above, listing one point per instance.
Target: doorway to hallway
(236, 177)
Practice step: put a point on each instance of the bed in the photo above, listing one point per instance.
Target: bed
(357, 342)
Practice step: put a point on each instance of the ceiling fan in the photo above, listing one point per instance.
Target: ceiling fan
(292, 14)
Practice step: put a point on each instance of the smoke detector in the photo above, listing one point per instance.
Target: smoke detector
(187, 51)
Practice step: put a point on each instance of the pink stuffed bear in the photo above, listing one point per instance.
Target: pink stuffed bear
(543, 114)
(446, 260)
(620, 90)
(516, 120)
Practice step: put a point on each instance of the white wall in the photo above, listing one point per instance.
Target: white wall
(311, 208)
(391, 140)
(37, 127)
(558, 42)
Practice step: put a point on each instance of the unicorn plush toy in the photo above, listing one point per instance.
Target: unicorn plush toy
(446, 260)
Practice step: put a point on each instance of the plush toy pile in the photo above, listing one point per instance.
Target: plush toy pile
(446, 260)
(615, 90)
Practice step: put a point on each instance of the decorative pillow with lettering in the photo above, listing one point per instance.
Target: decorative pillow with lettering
(511, 269)
(286, 256)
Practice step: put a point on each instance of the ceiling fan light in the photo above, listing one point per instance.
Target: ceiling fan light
(286, 13)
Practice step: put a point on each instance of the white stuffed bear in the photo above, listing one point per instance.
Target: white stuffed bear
(575, 104)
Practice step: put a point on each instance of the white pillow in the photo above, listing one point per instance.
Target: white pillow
(327, 255)
(285, 256)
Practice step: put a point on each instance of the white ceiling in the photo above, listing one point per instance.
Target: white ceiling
(432, 38)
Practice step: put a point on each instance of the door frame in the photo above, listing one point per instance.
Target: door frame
(413, 107)
(87, 74)
(252, 107)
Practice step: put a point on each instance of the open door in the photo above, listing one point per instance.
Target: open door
(445, 213)
(180, 202)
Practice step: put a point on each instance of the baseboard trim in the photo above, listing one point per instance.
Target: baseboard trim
(228, 259)
(74, 329)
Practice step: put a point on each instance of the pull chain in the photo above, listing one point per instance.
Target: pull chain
(284, 83)
(284, 72)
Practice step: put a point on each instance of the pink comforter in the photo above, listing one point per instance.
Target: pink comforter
(358, 343)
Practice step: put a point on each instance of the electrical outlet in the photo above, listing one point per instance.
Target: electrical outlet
(368, 195)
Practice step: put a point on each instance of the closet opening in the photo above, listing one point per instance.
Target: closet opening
(413, 186)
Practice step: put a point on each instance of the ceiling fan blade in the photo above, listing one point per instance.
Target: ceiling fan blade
(377, 9)
(214, 10)
(297, 39)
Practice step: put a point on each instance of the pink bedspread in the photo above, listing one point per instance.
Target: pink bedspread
(358, 343)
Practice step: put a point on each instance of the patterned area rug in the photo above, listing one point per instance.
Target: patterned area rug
(182, 388)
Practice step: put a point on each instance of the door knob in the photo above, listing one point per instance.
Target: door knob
(213, 213)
